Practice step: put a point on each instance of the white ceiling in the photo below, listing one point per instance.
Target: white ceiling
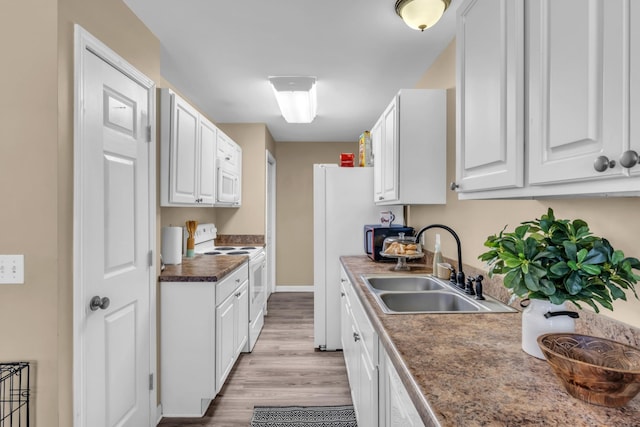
(219, 54)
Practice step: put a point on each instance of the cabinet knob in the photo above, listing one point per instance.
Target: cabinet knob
(602, 163)
(380, 198)
(453, 186)
(629, 159)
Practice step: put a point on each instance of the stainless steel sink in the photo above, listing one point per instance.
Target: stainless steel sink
(408, 294)
(440, 302)
(405, 283)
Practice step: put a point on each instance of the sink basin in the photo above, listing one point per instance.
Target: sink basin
(405, 283)
(412, 294)
(436, 302)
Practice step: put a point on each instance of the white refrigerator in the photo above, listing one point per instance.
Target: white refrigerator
(342, 206)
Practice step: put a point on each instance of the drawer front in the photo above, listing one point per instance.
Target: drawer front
(231, 282)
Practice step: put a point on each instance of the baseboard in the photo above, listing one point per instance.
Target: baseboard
(306, 288)
(159, 414)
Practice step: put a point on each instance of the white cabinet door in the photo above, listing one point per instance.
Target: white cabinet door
(490, 99)
(631, 14)
(396, 407)
(206, 177)
(225, 339)
(390, 153)
(242, 317)
(376, 149)
(575, 89)
(184, 152)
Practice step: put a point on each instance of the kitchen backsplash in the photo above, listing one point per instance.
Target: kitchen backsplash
(240, 239)
(589, 323)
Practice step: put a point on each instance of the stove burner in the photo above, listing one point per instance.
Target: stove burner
(225, 248)
(213, 253)
(248, 247)
(237, 253)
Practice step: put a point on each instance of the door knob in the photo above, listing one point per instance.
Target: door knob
(97, 302)
(629, 159)
(602, 163)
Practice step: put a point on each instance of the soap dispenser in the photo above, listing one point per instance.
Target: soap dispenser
(437, 256)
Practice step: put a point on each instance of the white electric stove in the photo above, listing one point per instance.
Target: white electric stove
(204, 244)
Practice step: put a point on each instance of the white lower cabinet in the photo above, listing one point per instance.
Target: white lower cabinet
(379, 397)
(195, 333)
(360, 347)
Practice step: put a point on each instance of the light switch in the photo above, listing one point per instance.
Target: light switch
(11, 269)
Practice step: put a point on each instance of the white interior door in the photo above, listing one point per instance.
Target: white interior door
(113, 247)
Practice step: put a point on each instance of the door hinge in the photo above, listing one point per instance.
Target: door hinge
(150, 381)
(151, 258)
(148, 133)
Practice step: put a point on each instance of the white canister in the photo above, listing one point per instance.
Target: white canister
(171, 245)
(535, 323)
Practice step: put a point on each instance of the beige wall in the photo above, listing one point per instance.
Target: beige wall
(36, 175)
(294, 201)
(28, 187)
(614, 218)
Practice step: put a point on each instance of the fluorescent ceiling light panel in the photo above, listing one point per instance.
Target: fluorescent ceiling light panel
(296, 98)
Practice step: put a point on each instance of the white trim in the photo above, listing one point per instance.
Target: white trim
(271, 217)
(158, 414)
(294, 288)
(83, 42)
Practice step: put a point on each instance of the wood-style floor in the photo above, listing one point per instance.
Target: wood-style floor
(283, 369)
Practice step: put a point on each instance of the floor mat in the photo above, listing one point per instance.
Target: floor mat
(301, 416)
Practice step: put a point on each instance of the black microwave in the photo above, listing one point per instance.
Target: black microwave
(374, 236)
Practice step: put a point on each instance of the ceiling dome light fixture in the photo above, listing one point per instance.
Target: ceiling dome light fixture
(421, 14)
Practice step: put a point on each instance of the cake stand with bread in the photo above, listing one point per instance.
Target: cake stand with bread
(403, 248)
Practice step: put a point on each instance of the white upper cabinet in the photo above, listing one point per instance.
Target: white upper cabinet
(582, 89)
(187, 143)
(409, 149)
(490, 97)
(200, 164)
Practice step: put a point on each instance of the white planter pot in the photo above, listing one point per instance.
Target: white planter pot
(534, 324)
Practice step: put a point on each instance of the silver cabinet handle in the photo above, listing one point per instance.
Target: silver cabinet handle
(356, 337)
(99, 303)
(602, 163)
(453, 186)
(629, 159)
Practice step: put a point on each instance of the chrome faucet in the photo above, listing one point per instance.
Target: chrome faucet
(459, 277)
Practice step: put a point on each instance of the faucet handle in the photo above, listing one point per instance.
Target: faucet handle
(479, 288)
(469, 287)
(452, 276)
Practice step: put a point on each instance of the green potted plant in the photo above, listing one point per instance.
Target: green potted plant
(551, 261)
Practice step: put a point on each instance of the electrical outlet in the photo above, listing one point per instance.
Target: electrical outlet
(11, 269)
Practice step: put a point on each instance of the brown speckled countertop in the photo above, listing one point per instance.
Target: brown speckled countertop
(469, 369)
(202, 268)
